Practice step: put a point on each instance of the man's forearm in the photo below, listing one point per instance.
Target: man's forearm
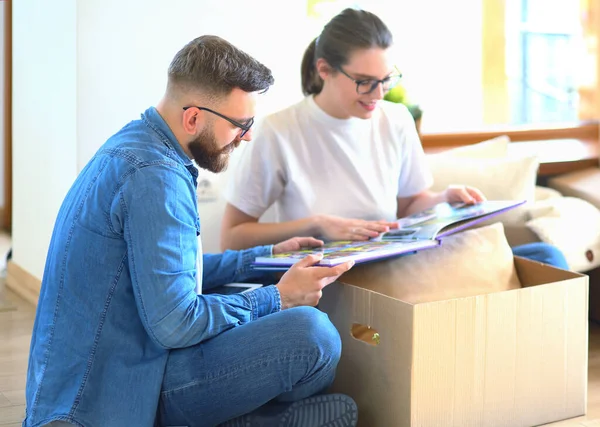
(232, 266)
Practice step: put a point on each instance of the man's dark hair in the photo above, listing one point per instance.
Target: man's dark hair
(214, 66)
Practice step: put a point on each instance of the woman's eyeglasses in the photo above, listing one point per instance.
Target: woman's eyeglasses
(366, 86)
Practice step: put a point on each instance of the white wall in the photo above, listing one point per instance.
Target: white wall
(125, 47)
(84, 69)
(440, 57)
(44, 122)
(439, 51)
(2, 92)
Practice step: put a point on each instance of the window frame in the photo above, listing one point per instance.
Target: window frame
(583, 130)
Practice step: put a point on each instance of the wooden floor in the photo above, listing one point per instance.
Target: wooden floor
(16, 322)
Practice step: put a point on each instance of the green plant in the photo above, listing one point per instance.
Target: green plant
(376, 338)
(397, 94)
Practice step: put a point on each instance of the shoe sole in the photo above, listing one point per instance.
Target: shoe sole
(328, 410)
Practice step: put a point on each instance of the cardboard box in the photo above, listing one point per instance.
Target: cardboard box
(594, 309)
(512, 358)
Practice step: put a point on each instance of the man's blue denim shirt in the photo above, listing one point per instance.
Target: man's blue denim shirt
(118, 289)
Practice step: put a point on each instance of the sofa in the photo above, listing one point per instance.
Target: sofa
(566, 213)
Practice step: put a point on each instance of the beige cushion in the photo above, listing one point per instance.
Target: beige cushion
(520, 234)
(472, 262)
(504, 178)
(546, 193)
(490, 149)
(584, 184)
(572, 225)
(489, 167)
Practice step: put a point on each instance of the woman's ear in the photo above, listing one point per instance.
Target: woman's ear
(323, 68)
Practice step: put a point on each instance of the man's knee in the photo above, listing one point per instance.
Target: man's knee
(542, 252)
(555, 257)
(312, 329)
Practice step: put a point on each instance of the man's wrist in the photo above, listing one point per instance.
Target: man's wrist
(264, 301)
(284, 301)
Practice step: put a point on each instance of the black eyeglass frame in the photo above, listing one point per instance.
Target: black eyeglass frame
(375, 81)
(244, 127)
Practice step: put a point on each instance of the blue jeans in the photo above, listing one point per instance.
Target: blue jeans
(282, 357)
(542, 252)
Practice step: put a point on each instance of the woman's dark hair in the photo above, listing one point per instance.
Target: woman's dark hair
(215, 66)
(348, 31)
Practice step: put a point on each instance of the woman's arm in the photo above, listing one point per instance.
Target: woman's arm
(419, 202)
(426, 199)
(241, 231)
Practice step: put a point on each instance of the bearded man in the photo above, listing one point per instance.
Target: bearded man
(123, 335)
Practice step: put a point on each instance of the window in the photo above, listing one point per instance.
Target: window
(495, 63)
(542, 76)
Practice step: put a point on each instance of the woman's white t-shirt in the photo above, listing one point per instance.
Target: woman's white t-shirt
(306, 162)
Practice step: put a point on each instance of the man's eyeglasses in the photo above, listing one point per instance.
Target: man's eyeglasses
(245, 127)
(366, 86)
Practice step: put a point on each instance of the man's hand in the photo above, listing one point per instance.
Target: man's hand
(296, 243)
(338, 228)
(303, 284)
(463, 193)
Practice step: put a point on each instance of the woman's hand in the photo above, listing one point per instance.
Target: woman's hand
(463, 193)
(337, 228)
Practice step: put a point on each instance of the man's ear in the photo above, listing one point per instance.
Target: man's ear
(323, 68)
(193, 119)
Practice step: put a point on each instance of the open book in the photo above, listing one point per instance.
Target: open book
(423, 230)
(445, 219)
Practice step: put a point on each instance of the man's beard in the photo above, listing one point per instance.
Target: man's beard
(207, 154)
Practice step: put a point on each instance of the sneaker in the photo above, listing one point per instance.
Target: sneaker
(325, 410)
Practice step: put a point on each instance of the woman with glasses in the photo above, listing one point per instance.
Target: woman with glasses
(341, 164)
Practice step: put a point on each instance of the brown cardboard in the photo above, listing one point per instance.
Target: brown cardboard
(516, 357)
(594, 277)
